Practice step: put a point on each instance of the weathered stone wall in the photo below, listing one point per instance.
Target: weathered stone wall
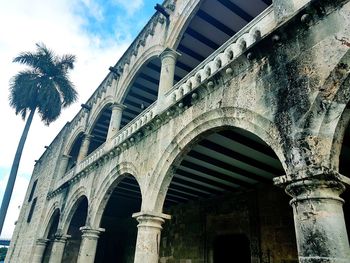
(263, 216)
(290, 89)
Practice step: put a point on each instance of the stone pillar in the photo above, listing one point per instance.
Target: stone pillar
(63, 165)
(318, 217)
(168, 60)
(40, 247)
(116, 118)
(58, 249)
(84, 148)
(148, 236)
(286, 8)
(88, 244)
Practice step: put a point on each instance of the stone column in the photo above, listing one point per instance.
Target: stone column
(286, 8)
(88, 244)
(319, 219)
(148, 236)
(168, 60)
(58, 249)
(116, 118)
(40, 247)
(84, 148)
(63, 165)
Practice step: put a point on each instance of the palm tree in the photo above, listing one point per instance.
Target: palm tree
(44, 87)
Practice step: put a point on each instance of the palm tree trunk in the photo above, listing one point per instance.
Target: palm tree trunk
(14, 169)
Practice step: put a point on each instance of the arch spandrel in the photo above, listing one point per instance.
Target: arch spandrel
(207, 123)
(71, 206)
(105, 189)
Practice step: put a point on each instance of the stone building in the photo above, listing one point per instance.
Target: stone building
(221, 135)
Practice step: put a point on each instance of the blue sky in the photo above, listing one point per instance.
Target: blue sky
(97, 31)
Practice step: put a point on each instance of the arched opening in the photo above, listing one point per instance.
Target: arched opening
(100, 129)
(50, 234)
(74, 152)
(142, 92)
(344, 169)
(71, 250)
(117, 243)
(211, 26)
(222, 200)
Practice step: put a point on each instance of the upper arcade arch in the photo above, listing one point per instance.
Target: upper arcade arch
(98, 131)
(97, 111)
(73, 147)
(209, 24)
(142, 91)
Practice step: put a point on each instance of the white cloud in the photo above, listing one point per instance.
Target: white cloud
(130, 6)
(55, 23)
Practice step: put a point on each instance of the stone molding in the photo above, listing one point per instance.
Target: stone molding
(311, 172)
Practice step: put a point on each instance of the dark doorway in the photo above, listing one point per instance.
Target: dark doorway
(231, 248)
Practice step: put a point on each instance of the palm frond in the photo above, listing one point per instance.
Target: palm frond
(68, 93)
(45, 85)
(24, 87)
(66, 62)
(28, 58)
(49, 103)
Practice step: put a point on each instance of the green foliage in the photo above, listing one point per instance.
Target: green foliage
(3, 251)
(44, 86)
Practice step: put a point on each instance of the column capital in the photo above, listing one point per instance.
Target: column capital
(61, 238)
(311, 173)
(42, 241)
(118, 106)
(315, 189)
(66, 156)
(87, 136)
(169, 52)
(151, 219)
(90, 232)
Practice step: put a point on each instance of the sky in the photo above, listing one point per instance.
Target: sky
(97, 31)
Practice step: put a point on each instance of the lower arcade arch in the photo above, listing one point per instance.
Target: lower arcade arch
(50, 234)
(78, 220)
(221, 195)
(117, 243)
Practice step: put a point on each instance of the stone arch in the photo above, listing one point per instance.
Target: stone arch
(208, 122)
(72, 138)
(338, 137)
(106, 188)
(147, 55)
(182, 23)
(47, 221)
(71, 207)
(98, 111)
